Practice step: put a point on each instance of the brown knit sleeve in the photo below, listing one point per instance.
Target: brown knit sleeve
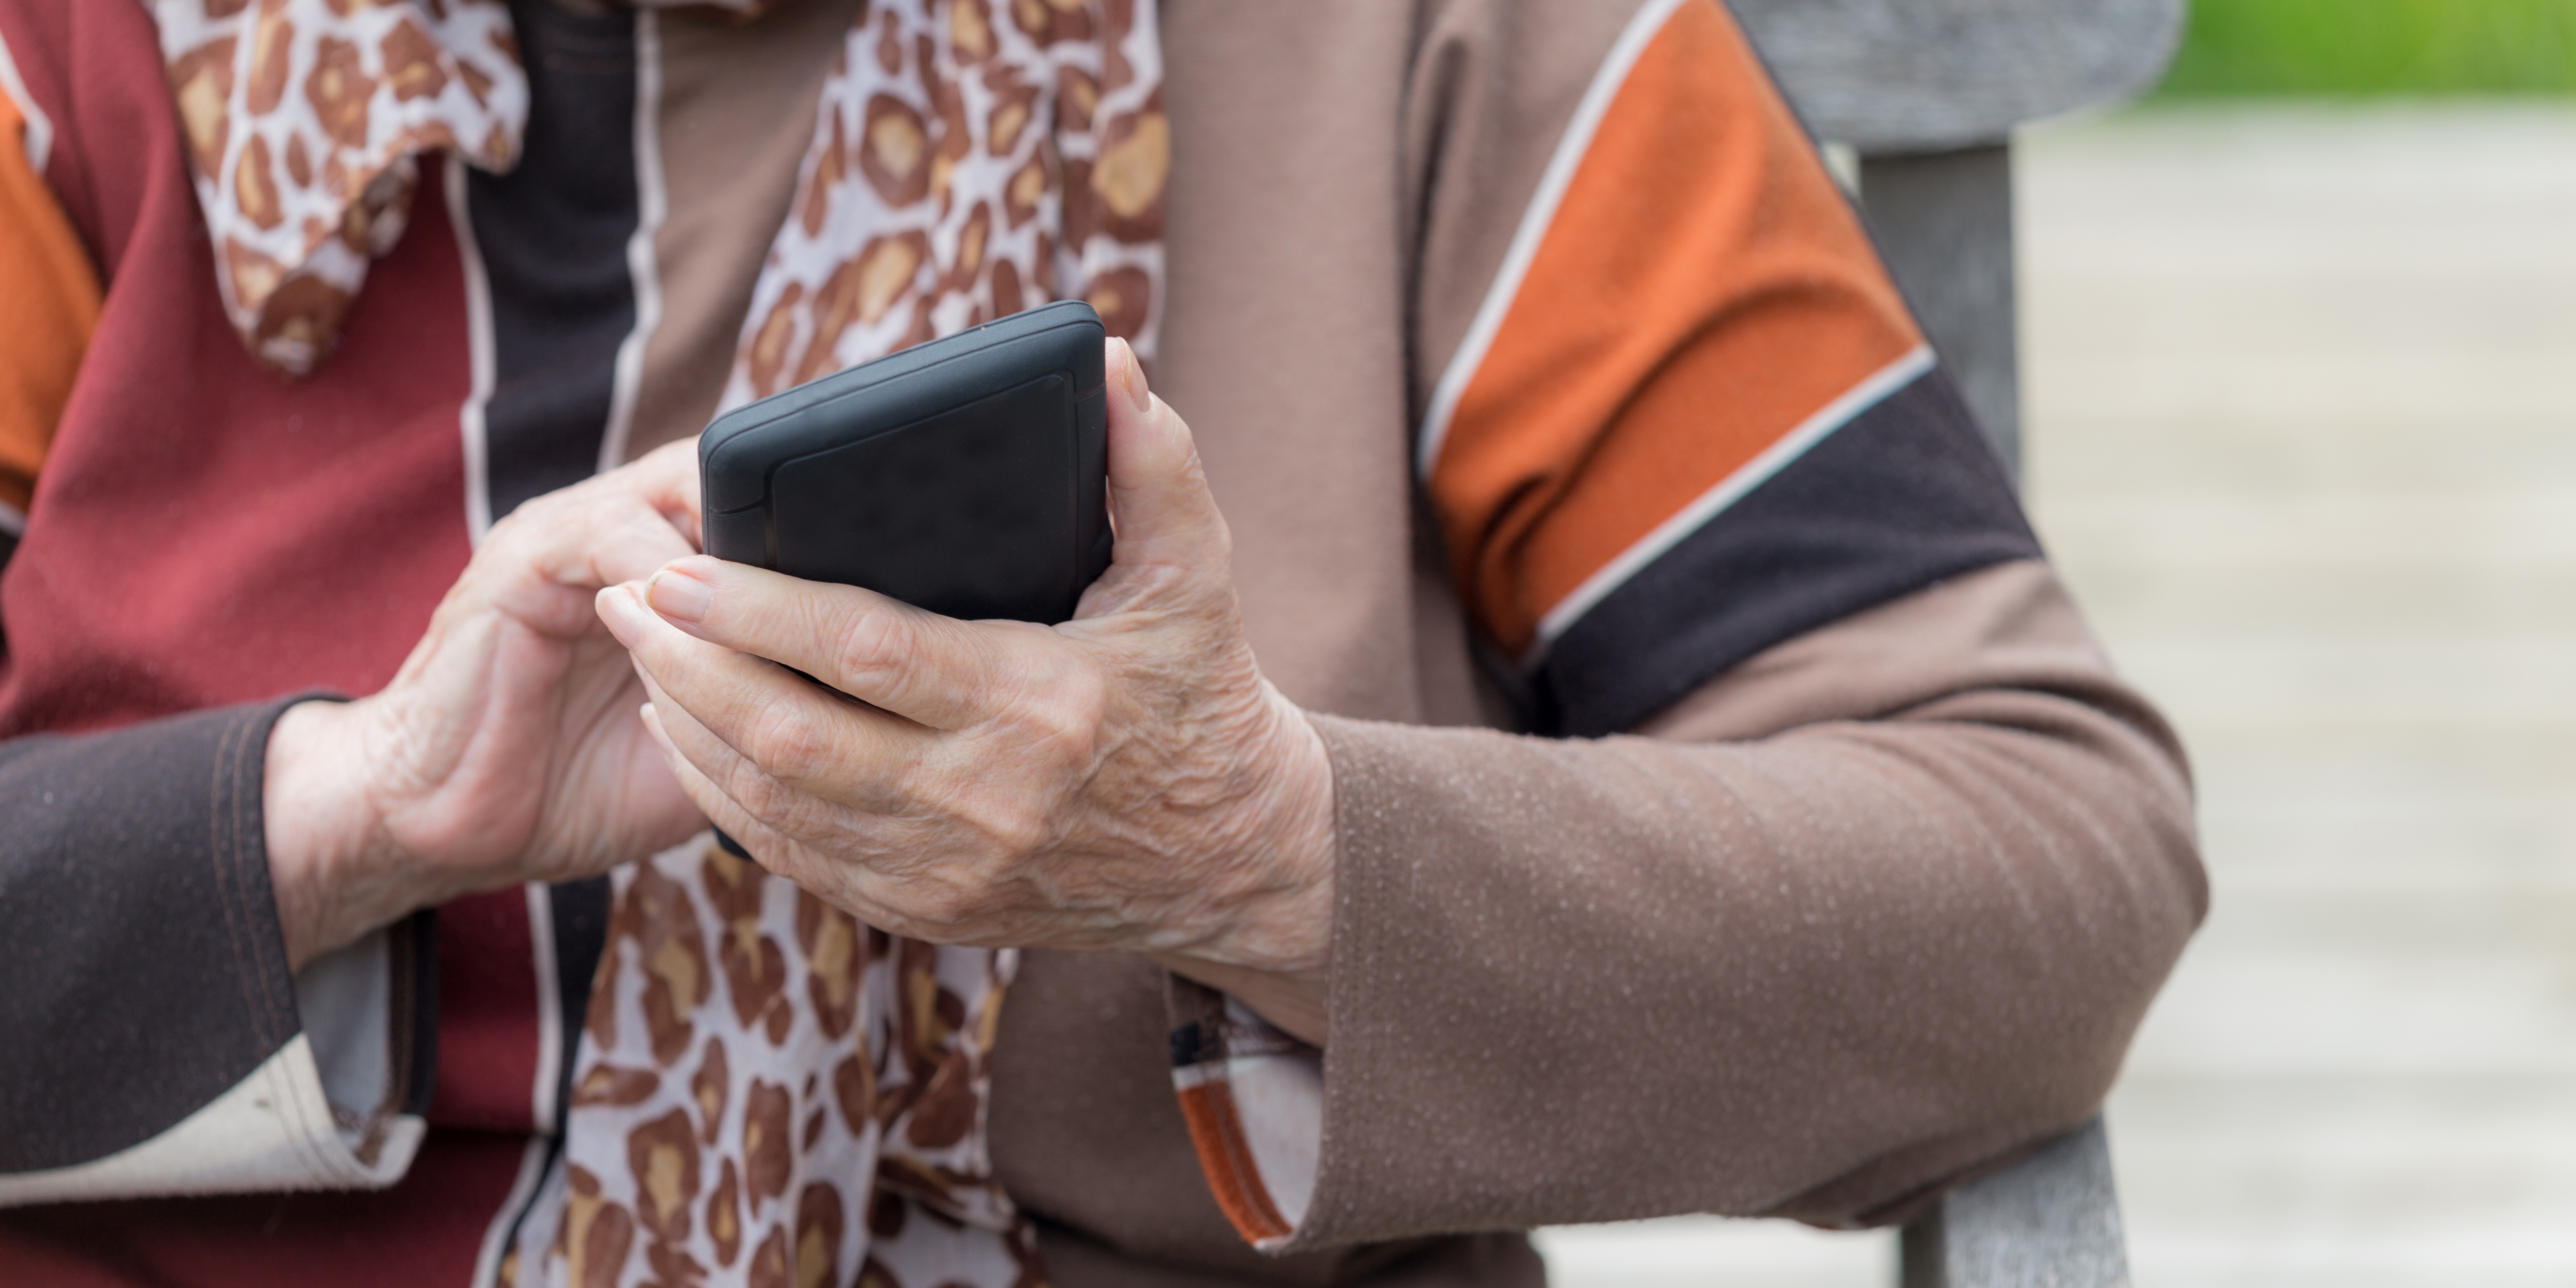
(1880, 905)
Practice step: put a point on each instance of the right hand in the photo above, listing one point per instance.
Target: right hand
(507, 748)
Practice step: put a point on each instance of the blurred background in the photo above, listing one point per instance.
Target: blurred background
(2299, 373)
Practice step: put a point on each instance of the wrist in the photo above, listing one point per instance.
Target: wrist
(329, 860)
(1273, 947)
(1292, 932)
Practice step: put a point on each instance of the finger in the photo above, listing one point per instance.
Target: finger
(631, 519)
(775, 822)
(667, 479)
(935, 670)
(546, 565)
(612, 537)
(852, 885)
(764, 842)
(722, 706)
(541, 562)
(762, 794)
(1156, 484)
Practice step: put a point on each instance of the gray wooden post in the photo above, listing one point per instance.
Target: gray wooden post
(1928, 92)
(2051, 1220)
(1943, 221)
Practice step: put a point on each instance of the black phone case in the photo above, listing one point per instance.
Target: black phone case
(967, 476)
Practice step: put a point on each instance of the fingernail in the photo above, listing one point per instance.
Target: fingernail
(678, 596)
(1132, 375)
(617, 607)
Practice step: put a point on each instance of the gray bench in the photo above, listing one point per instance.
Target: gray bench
(1927, 94)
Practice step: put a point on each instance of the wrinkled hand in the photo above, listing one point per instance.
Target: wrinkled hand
(1123, 781)
(506, 749)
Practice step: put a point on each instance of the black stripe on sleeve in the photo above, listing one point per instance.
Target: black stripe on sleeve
(412, 984)
(553, 235)
(1904, 495)
(146, 972)
(580, 913)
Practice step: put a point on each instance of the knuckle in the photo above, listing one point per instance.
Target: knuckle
(994, 822)
(1065, 713)
(1016, 827)
(914, 784)
(762, 797)
(510, 529)
(868, 643)
(787, 743)
(781, 808)
(554, 509)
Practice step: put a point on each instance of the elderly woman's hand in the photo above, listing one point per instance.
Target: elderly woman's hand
(506, 749)
(1124, 781)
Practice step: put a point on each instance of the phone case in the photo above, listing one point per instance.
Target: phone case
(967, 475)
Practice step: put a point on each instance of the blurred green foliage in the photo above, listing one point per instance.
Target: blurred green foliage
(2370, 47)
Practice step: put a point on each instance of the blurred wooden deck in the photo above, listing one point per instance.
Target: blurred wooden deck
(2302, 434)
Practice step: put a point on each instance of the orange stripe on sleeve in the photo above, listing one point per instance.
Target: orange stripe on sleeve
(1701, 291)
(52, 297)
(1216, 1130)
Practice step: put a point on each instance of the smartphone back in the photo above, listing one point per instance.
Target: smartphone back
(967, 476)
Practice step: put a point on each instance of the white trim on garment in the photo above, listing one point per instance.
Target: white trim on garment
(273, 1130)
(505, 1222)
(643, 265)
(1872, 390)
(551, 1044)
(478, 345)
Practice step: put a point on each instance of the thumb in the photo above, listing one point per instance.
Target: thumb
(1158, 492)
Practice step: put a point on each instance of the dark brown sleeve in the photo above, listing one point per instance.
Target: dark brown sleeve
(137, 931)
(1878, 906)
(149, 1012)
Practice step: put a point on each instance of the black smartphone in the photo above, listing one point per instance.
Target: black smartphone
(968, 475)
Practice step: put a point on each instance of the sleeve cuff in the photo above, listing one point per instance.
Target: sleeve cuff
(1254, 1100)
(168, 1049)
(340, 1106)
(369, 1021)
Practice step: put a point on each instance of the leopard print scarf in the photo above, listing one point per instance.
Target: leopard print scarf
(767, 1091)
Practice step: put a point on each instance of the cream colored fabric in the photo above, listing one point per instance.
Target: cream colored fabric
(276, 1129)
